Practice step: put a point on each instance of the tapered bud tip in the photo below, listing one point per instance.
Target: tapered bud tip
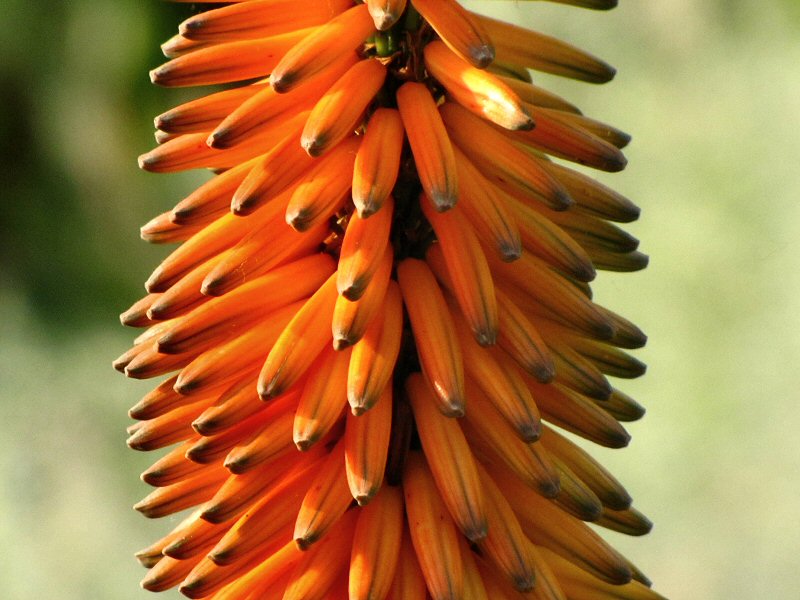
(384, 20)
(211, 287)
(218, 139)
(269, 390)
(135, 443)
(128, 318)
(615, 162)
(603, 391)
(147, 161)
(585, 272)
(281, 83)
(640, 577)
(210, 513)
(219, 557)
(621, 500)
(364, 499)
(453, 408)
(524, 122)
(366, 207)
(304, 444)
(510, 252)
(304, 542)
(340, 343)
(486, 337)
(190, 588)
(524, 582)
(645, 525)
(190, 26)
(443, 200)
(550, 488)
(204, 426)
(357, 410)
(618, 438)
(236, 465)
(529, 432)
(156, 312)
(298, 220)
(482, 56)
(604, 331)
(121, 362)
(351, 290)
(244, 206)
(543, 373)
(150, 477)
(161, 121)
(185, 387)
(313, 145)
(163, 343)
(477, 531)
(562, 200)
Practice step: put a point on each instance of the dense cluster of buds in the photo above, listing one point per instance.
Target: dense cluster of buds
(378, 323)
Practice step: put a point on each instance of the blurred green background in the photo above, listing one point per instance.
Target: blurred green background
(709, 90)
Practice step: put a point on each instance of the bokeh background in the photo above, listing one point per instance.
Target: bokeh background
(710, 91)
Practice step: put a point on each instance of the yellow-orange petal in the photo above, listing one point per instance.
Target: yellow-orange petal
(340, 109)
(299, 343)
(385, 13)
(434, 332)
(323, 400)
(325, 502)
(458, 29)
(376, 545)
(430, 144)
(517, 45)
(477, 90)
(352, 318)
(459, 262)
(450, 460)
(433, 532)
(253, 20)
(507, 165)
(378, 161)
(366, 447)
(323, 46)
(374, 356)
(362, 248)
(230, 61)
(325, 188)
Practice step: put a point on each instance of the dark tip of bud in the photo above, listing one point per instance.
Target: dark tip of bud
(485, 338)
(550, 488)
(477, 532)
(443, 200)
(304, 543)
(282, 83)
(147, 161)
(305, 444)
(482, 56)
(530, 432)
(543, 373)
(562, 200)
(313, 145)
(219, 139)
(510, 252)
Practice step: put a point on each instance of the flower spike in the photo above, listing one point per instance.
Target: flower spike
(392, 225)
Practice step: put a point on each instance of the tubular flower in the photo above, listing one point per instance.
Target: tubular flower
(392, 228)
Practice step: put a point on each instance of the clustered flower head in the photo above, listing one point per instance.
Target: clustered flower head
(378, 322)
